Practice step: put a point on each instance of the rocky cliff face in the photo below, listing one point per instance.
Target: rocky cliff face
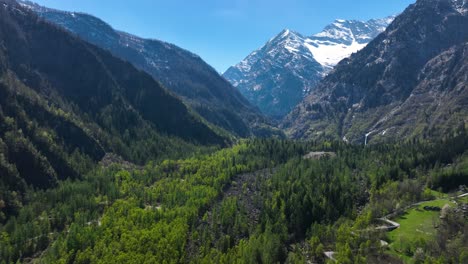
(288, 67)
(409, 81)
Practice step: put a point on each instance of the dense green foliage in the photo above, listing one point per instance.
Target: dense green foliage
(158, 202)
(332, 203)
(175, 211)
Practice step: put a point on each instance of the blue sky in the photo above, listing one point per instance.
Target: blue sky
(223, 32)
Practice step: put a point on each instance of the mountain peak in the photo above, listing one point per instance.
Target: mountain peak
(285, 34)
(278, 75)
(459, 6)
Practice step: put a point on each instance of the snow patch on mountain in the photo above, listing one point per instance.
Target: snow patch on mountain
(342, 38)
(329, 55)
(461, 6)
(336, 42)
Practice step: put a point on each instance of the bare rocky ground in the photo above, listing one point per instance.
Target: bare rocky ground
(319, 155)
(246, 188)
(113, 159)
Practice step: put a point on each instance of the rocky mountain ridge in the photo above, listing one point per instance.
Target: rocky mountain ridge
(288, 67)
(410, 81)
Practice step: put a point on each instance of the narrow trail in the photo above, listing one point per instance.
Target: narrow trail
(392, 225)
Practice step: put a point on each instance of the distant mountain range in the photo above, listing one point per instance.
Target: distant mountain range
(179, 70)
(407, 79)
(288, 67)
(411, 81)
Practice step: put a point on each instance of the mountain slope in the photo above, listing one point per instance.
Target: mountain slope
(181, 71)
(273, 78)
(409, 81)
(65, 103)
(281, 73)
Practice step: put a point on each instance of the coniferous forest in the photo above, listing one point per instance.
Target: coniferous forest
(102, 163)
(259, 201)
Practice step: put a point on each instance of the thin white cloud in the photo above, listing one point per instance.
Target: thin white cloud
(231, 9)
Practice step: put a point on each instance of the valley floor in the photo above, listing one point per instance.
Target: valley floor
(261, 201)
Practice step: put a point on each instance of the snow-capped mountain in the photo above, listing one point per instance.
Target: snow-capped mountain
(344, 37)
(277, 76)
(281, 73)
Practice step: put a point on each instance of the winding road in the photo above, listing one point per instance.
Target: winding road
(392, 225)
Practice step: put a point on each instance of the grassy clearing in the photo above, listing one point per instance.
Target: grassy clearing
(439, 195)
(416, 226)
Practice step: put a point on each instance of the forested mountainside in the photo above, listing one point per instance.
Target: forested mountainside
(181, 71)
(287, 68)
(65, 103)
(410, 81)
